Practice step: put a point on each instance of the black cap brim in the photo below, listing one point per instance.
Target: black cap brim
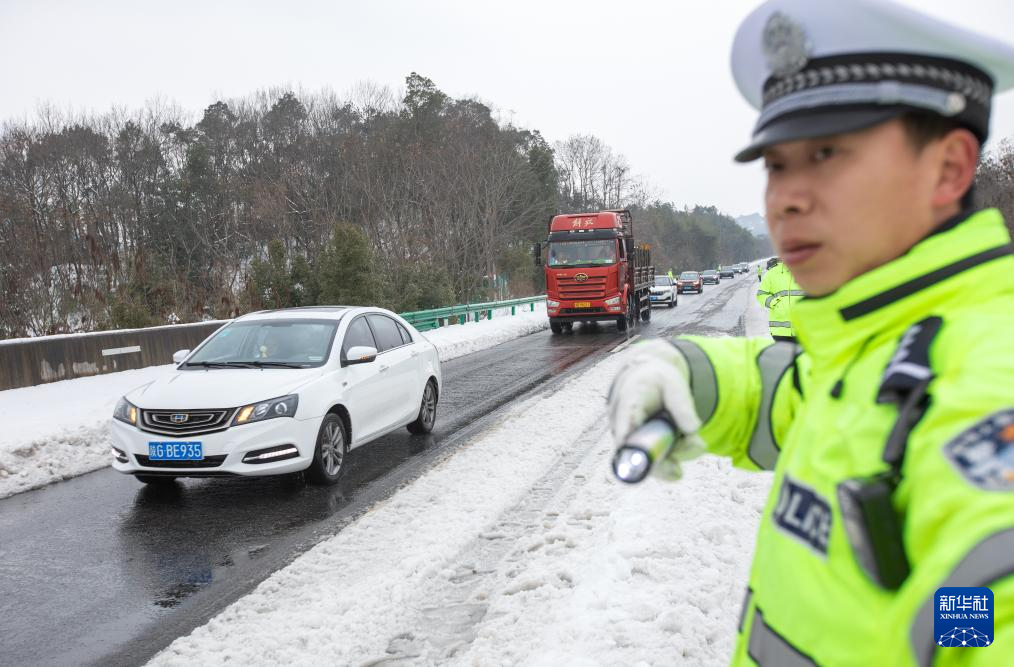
(814, 124)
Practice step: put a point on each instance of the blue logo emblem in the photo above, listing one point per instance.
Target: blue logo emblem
(963, 617)
(179, 417)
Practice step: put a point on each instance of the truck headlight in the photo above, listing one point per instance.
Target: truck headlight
(612, 302)
(552, 304)
(126, 412)
(275, 407)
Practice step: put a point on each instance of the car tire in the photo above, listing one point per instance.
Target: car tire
(555, 327)
(427, 417)
(646, 314)
(621, 323)
(156, 480)
(329, 451)
(672, 301)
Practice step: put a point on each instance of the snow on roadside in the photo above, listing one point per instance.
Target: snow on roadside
(492, 558)
(461, 339)
(60, 430)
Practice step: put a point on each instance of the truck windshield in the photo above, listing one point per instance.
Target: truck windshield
(571, 253)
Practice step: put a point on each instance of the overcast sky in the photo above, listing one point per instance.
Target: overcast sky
(651, 78)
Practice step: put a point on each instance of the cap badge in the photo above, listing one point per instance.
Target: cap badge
(785, 45)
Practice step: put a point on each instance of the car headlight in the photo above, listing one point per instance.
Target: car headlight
(269, 409)
(552, 304)
(612, 302)
(126, 412)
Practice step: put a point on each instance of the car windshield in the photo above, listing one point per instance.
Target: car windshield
(688, 275)
(662, 281)
(709, 273)
(267, 344)
(572, 253)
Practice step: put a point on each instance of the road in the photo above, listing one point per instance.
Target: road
(102, 570)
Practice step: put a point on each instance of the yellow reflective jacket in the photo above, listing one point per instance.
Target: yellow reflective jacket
(778, 291)
(813, 417)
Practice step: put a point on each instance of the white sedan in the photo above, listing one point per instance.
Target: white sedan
(663, 291)
(277, 392)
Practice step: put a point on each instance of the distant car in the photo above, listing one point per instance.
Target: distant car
(277, 392)
(743, 267)
(689, 281)
(710, 277)
(727, 272)
(663, 292)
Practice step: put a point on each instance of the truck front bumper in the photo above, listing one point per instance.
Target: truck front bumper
(586, 311)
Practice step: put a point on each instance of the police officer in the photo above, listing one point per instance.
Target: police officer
(760, 272)
(890, 428)
(777, 292)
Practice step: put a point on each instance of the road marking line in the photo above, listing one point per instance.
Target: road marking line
(624, 344)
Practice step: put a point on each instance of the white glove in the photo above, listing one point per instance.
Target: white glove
(655, 379)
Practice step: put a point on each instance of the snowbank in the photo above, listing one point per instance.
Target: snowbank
(60, 430)
(519, 549)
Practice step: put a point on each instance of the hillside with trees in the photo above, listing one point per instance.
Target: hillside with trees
(410, 201)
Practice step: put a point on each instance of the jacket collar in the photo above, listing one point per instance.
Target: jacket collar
(963, 257)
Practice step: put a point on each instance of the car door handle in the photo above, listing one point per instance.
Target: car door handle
(383, 369)
(415, 353)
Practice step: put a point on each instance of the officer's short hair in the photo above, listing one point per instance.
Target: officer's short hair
(923, 128)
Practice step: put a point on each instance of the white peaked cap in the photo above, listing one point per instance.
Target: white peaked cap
(816, 67)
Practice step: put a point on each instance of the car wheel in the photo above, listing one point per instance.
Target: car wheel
(621, 323)
(555, 327)
(329, 451)
(156, 480)
(672, 301)
(646, 315)
(423, 424)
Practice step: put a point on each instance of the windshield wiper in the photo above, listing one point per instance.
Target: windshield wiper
(274, 364)
(220, 364)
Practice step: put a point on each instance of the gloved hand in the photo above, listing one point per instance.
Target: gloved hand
(656, 379)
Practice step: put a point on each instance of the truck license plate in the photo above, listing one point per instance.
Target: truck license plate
(582, 304)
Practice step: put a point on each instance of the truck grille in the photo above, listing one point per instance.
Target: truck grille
(186, 422)
(582, 311)
(593, 288)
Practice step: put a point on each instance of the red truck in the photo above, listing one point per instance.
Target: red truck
(595, 271)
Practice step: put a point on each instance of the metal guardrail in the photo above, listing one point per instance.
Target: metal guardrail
(425, 320)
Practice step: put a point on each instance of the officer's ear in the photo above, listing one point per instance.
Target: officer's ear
(957, 156)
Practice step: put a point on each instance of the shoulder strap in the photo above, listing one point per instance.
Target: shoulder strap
(905, 384)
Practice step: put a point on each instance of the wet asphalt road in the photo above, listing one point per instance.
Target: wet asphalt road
(103, 570)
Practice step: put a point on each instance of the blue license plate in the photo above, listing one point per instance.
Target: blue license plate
(175, 451)
(654, 298)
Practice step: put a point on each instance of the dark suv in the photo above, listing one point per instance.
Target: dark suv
(727, 272)
(711, 277)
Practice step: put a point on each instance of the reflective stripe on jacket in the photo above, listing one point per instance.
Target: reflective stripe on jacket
(811, 415)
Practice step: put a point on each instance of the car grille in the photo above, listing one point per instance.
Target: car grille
(206, 462)
(593, 288)
(180, 423)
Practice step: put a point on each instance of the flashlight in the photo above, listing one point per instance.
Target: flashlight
(647, 445)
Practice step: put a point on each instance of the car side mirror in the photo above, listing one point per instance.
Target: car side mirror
(360, 354)
(537, 254)
(180, 355)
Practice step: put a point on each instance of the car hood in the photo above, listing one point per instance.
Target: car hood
(661, 289)
(219, 387)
